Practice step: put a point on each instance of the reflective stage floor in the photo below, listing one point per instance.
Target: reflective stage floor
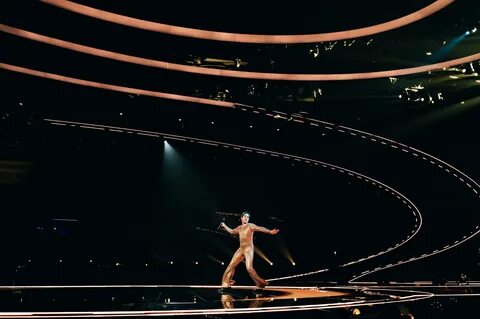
(415, 300)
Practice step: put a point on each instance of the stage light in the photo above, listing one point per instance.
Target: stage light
(262, 255)
(356, 312)
(474, 30)
(467, 33)
(293, 263)
(146, 265)
(271, 264)
(121, 113)
(196, 263)
(171, 263)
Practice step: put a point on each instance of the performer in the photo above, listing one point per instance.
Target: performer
(245, 251)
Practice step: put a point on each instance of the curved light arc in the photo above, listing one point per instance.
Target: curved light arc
(234, 73)
(249, 38)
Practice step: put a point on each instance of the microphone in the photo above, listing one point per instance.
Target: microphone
(220, 225)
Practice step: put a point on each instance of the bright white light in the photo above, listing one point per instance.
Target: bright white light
(428, 53)
(167, 146)
(474, 30)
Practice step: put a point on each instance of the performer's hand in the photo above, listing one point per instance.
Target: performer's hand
(274, 231)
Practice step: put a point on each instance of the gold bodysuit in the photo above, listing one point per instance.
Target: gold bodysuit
(245, 251)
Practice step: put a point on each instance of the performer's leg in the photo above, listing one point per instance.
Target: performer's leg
(259, 281)
(228, 274)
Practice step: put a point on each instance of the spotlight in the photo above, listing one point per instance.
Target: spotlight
(474, 30)
(467, 33)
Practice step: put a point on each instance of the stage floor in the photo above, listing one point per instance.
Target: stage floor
(171, 300)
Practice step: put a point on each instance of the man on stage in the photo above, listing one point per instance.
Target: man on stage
(245, 251)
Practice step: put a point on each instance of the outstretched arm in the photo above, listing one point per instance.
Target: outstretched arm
(265, 230)
(228, 229)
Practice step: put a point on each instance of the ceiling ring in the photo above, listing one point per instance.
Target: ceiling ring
(117, 88)
(249, 38)
(235, 73)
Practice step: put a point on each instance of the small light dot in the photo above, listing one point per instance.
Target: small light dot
(121, 113)
(212, 122)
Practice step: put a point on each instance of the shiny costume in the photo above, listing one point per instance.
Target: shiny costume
(245, 251)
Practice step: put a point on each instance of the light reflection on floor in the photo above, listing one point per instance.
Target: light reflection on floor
(161, 300)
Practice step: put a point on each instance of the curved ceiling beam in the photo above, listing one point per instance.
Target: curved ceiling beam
(249, 38)
(124, 89)
(234, 73)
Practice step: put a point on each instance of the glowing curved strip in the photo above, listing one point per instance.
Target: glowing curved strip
(249, 38)
(368, 272)
(232, 73)
(381, 297)
(112, 87)
(376, 183)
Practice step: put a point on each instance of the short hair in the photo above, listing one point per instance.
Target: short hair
(246, 212)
